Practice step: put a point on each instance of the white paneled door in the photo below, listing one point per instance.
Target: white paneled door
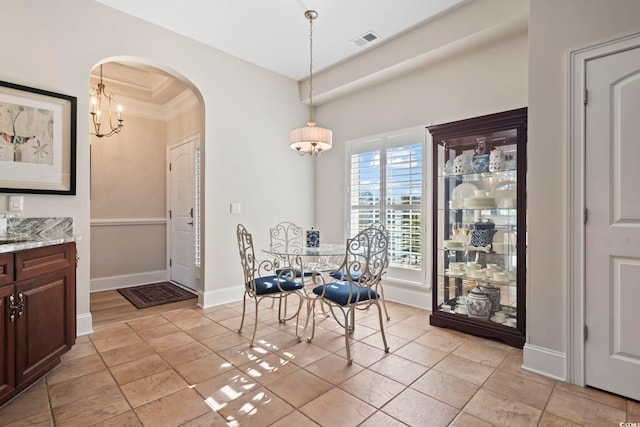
(612, 151)
(181, 193)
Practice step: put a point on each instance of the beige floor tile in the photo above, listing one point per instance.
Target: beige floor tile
(132, 371)
(247, 332)
(147, 322)
(225, 314)
(210, 419)
(550, 420)
(465, 420)
(380, 419)
(337, 408)
(226, 387)
(372, 387)
(393, 341)
(582, 410)
(405, 331)
(126, 419)
(483, 354)
(501, 411)
(193, 322)
(153, 387)
(202, 369)
(202, 332)
(257, 408)
(182, 313)
(242, 354)
(445, 388)
(439, 341)
(421, 354)
(80, 387)
(158, 331)
(420, 321)
(277, 341)
(116, 341)
(304, 353)
(594, 394)
(42, 419)
(106, 331)
(519, 389)
(127, 354)
(329, 340)
(399, 369)
(295, 418)
(91, 410)
(170, 341)
(299, 387)
(31, 402)
(464, 369)
(416, 409)
(513, 364)
(75, 368)
(79, 350)
(363, 354)
(224, 341)
(173, 409)
(333, 369)
(269, 368)
(187, 353)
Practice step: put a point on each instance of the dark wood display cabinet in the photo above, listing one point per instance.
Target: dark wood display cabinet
(479, 225)
(38, 306)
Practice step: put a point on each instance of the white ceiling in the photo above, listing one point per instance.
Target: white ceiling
(274, 34)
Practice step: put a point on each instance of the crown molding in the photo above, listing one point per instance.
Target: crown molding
(148, 110)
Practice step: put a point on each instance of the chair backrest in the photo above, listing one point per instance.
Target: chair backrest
(286, 237)
(247, 256)
(367, 256)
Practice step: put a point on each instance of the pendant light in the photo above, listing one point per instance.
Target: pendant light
(310, 139)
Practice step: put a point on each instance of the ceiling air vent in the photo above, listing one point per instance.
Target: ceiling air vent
(365, 38)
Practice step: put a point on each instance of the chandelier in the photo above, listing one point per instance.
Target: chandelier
(310, 139)
(101, 103)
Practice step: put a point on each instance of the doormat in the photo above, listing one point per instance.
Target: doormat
(155, 294)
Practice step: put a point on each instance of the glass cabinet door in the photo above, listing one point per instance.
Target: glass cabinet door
(479, 214)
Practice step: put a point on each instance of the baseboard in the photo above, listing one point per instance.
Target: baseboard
(84, 324)
(127, 280)
(409, 295)
(221, 296)
(544, 361)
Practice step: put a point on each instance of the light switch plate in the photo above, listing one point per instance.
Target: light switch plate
(235, 208)
(16, 203)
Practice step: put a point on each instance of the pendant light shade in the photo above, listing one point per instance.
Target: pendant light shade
(311, 139)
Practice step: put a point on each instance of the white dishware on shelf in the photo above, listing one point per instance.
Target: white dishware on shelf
(462, 191)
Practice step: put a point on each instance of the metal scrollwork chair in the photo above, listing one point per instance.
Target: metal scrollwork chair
(340, 272)
(258, 284)
(365, 261)
(286, 238)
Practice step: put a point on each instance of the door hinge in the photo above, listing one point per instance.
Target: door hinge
(585, 98)
(586, 332)
(170, 163)
(586, 215)
(169, 214)
(170, 262)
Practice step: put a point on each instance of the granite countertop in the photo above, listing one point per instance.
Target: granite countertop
(19, 243)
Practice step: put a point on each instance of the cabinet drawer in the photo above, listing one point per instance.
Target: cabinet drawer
(37, 262)
(6, 269)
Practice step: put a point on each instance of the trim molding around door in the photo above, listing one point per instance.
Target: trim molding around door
(576, 188)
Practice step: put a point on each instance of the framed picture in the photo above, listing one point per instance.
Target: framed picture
(37, 141)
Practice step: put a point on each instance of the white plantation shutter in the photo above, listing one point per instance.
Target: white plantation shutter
(386, 185)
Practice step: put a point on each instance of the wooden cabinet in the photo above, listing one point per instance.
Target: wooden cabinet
(479, 225)
(38, 309)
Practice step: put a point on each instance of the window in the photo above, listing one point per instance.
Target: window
(386, 185)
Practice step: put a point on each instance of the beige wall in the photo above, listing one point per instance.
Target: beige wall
(554, 28)
(248, 114)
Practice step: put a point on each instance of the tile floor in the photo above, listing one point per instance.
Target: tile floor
(190, 367)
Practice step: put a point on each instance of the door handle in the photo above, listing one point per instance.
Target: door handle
(190, 223)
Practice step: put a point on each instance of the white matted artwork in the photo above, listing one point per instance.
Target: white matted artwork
(37, 140)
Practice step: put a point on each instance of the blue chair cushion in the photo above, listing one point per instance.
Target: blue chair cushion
(342, 275)
(284, 271)
(338, 292)
(269, 285)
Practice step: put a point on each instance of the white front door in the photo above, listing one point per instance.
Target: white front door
(181, 205)
(612, 231)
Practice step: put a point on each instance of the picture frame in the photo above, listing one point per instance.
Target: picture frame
(37, 141)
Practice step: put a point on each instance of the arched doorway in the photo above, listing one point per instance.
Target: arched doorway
(131, 195)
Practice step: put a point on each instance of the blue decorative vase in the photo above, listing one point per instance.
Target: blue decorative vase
(478, 304)
(313, 238)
